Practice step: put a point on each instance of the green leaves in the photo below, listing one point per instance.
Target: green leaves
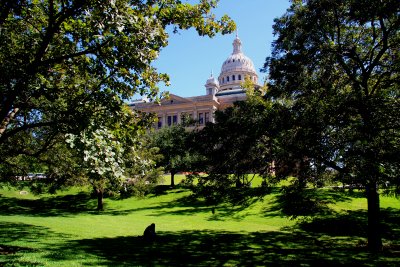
(66, 63)
(334, 61)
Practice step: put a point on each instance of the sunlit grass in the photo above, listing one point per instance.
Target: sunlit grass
(65, 230)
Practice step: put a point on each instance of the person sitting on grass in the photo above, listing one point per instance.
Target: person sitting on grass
(150, 233)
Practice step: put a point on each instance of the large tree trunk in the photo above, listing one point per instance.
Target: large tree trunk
(173, 178)
(99, 193)
(374, 229)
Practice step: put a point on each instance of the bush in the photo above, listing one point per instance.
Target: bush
(296, 200)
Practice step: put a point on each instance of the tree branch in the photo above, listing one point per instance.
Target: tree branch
(77, 54)
(7, 120)
(27, 127)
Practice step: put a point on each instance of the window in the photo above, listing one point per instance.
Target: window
(201, 118)
(223, 80)
(206, 117)
(169, 120)
(227, 79)
(183, 117)
(233, 77)
(174, 119)
(159, 122)
(239, 77)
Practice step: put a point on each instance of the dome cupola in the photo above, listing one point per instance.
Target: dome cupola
(236, 68)
(212, 85)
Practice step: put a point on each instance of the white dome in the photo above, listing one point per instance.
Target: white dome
(212, 81)
(236, 67)
(237, 60)
(212, 85)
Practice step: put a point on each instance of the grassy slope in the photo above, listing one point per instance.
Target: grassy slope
(64, 230)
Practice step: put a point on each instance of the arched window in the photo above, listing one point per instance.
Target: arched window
(223, 80)
(227, 79)
(233, 77)
(239, 77)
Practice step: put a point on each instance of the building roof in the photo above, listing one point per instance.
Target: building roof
(239, 91)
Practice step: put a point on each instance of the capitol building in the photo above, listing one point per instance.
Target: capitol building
(220, 93)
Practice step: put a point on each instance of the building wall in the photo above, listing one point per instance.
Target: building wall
(200, 108)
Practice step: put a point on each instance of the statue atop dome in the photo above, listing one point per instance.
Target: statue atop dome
(237, 45)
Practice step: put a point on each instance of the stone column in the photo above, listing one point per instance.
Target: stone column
(164, 120)
(179, 114)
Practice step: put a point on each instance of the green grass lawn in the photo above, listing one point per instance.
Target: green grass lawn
(65, 230)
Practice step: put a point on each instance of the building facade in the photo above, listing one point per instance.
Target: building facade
(220, 93)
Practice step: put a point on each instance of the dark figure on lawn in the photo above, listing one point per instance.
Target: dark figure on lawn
(150, 233)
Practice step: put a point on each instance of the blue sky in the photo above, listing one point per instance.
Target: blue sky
(189, 59)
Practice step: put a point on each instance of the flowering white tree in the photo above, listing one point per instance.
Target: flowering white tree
(103, 158)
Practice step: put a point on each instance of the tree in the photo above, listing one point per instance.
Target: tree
(173, 146)
(235, 148)
(64, 62)
(108, 155)
(102, 158)
(334, 72)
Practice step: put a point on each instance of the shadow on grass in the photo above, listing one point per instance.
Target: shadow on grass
(335, 240)
(354, 223)
(197, 203)
(165, 190)
(47, 206)
(69, 205)
(292, 202)
(30, 235)
(189, 205)
(212, 248)
(185, 206)
(10, 232)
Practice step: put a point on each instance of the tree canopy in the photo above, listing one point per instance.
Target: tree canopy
(334, 71)
(66, 62)
(235, 148)
(174, 146)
